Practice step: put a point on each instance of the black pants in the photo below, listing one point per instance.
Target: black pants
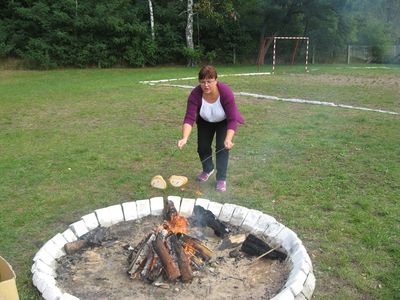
(205, 135)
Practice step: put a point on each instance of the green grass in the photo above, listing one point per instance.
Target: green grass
(72, 141)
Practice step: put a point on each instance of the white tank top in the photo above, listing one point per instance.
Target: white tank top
(212, 112)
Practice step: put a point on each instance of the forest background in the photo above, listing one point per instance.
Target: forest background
(47, 34)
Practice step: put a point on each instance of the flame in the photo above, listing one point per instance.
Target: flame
(178, 224)
(189, 250)
(192, 254)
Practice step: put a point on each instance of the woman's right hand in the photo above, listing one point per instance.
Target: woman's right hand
(182, 143)
(186, 129)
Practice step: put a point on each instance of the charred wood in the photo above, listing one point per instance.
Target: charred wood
(138, 257)
(196, 262)
(99, 236)
(148, 265)
(255, 246)
(203, 217)
(169, 210)
(156, 270)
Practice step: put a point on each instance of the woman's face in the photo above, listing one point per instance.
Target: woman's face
(208, 85)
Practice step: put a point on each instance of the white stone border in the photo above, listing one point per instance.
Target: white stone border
(162, 82)
(299, 285)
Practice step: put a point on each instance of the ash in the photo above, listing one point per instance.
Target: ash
(100, 272)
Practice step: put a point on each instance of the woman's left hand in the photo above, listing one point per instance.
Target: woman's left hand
(228, 139)
(228, 144)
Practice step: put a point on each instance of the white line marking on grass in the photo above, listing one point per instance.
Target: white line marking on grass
(246, 74)
(260, 96)
(182, 86)
(152, 82)
(296, 100)
(386, 68)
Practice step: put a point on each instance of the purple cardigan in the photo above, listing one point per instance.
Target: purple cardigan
(227, 101)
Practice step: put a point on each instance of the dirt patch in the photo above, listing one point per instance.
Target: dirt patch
(101, 272)
(343, 80)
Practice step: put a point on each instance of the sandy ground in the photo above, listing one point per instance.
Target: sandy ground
(101, 272)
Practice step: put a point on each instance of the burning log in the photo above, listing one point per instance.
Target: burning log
(169, 210)
(174, 222)
(203, 217)
(167, 261)
(198, 247)
(182, 258)
(255, 246)
(168, 250)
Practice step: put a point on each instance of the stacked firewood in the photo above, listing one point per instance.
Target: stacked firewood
(168, 251)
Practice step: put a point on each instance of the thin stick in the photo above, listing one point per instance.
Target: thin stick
(241, 279)
(198, 192)
(212, 155)
(167, 162)
(262, 255)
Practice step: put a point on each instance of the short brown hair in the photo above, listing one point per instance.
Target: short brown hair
(208, 72)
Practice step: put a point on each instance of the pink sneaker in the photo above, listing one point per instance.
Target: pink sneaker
(203, 176)
(221, 186)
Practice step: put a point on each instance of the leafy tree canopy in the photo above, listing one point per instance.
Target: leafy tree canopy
(103, 33)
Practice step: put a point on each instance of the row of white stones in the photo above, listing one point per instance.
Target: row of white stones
(301, 281)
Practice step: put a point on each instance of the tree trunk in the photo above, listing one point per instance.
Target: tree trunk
(296, 46)
(189, 29)
(151, 19)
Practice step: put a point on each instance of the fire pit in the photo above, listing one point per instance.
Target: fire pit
(221, 275)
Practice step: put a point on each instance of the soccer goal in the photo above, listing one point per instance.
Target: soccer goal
(359, 54)
(272, 41)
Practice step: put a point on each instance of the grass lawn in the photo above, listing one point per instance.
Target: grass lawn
(72, 141)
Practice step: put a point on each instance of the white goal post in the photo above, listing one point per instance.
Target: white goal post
(273, 39)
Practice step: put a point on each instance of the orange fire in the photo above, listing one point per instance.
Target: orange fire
(178, 224)
(189, 250)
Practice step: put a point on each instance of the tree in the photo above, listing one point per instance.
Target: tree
(376, 24)
(151, 19)
(123, 32)
(189, 34)
(220, 25)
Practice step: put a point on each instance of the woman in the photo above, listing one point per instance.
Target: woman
(212, 106)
